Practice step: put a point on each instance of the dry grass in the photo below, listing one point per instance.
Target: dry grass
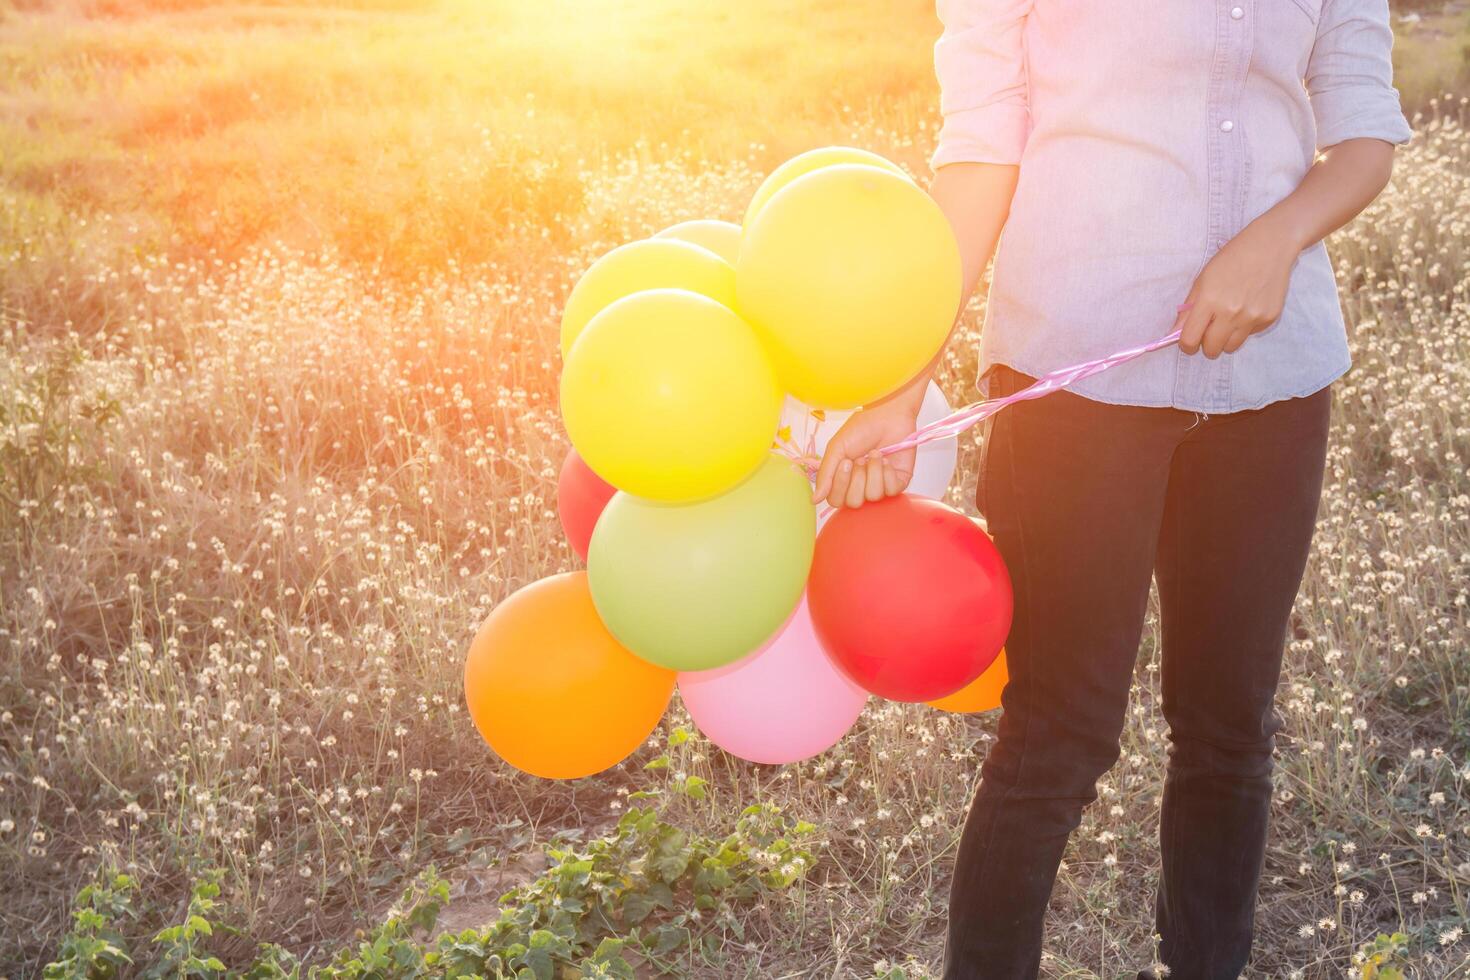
(278, 428)
(1431, 50)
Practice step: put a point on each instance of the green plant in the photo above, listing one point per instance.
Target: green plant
(94, 948)
(1385, 957)
(180, 954)
(649, 889)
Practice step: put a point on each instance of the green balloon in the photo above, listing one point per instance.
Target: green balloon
(695, 586)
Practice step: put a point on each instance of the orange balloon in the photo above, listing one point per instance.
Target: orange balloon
(981, 694)
(550, 689)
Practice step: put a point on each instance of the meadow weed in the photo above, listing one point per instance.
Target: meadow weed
(279, 290)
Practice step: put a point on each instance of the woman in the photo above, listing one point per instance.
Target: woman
(1155, 165)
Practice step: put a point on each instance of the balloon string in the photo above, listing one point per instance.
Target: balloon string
(962, 419)
(1062, 378)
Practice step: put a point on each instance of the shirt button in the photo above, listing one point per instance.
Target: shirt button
(1237, 12)
(1226, 126)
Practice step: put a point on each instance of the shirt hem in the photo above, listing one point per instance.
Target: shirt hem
(1310, 388)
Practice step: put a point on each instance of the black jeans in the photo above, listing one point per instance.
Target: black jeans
(1087, 501)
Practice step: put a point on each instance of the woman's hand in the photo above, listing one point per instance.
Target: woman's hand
(852, 471)
(1240, 291)
(975, 198)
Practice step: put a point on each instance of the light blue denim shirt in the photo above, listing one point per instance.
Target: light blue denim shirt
(1148, 134)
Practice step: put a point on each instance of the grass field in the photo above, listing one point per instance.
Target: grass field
(278, 366)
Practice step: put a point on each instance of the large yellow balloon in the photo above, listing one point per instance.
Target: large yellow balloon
(852, 277)
(552, 692)
(720, 237)
(805, 163)
(670, 396)
(981, 694)
(652, 263)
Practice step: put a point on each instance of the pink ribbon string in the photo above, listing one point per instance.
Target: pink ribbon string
(962, 419)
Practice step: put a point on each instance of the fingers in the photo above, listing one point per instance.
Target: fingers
(853, 471)
(873, 485)
(900, 470)
(841, 478)
(893, 481)
(1217, 319)
(1182, 311)
(1213, 331)
(857, 485)
(1192, 331)
(826, 474)
(1186, 308)
(856, 482)
(1238, 337)
(1225, 332)
(1216, 334)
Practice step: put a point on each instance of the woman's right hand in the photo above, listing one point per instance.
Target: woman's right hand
(975, 198)
(852, 471)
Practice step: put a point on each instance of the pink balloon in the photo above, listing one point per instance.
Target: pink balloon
(784, 703)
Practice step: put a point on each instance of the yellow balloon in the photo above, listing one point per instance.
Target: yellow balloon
(652, 263)
(720, 237)
(981, 694)
(852, 278)
(805, 163)
(670, 396)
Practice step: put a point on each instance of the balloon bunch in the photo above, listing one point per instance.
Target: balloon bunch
(698, 365)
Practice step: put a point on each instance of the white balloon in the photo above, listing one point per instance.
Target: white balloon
(812, 428)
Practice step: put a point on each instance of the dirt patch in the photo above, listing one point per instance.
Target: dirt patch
(474, 893)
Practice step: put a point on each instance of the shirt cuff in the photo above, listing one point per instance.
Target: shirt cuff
(994, 133)
(1359, 112)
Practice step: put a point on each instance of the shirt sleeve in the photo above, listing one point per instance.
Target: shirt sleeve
(1350, 75)
(980, 60)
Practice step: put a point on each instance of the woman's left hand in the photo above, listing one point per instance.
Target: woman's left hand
(1240, 291)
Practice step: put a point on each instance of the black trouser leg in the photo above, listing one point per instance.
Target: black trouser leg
(1082, 499)
(1243, 493)
(1073, 495)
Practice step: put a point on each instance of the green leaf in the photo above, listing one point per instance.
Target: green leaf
(637, 906)
(669, 938)
(608, 961)
(539, 958)
(672, 857)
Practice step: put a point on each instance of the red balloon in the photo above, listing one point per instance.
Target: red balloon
(580, 497)
(909, 597)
